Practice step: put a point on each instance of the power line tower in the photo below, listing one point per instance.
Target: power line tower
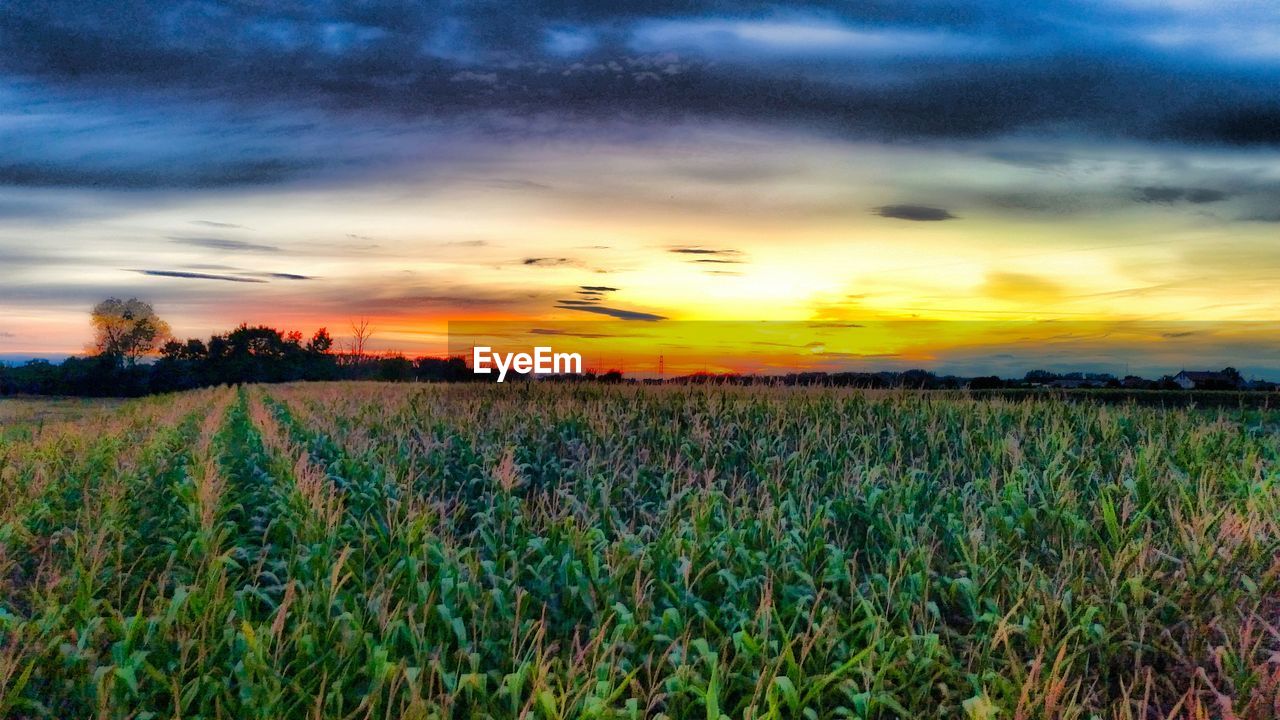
(662, 368)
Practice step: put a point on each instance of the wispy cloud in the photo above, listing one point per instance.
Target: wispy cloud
(570, 333)
(278, 275)
(1169, 194)
(199, 276)
(1273, 217)
(710, 256)
(239, 272)
(1020, 287)
(547, 261)
(695, 250)
(916, 213)
(590, 294)
(516, 184)
(214, 243)
(618, 313)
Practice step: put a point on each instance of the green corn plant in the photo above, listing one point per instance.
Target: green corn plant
(360, 550)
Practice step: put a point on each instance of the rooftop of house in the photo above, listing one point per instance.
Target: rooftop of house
(1205, 375)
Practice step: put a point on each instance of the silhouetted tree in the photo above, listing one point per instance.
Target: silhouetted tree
(1234, 379)
(917, 379)
(396, 368)
(451, 369)
(321, 342)
(1040, 377)
(126, 329)
(361, 333)
(192, 349)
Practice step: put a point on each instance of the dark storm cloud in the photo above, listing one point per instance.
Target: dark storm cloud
(198, 276)
(598, 288)
(1249, 124)
(208, 177)
(918, 213)
(880, 69)
(225, 244)
(547, 261)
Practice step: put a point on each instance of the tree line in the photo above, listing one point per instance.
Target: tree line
(126, 332)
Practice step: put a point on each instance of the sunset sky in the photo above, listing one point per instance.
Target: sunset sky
(306, 163)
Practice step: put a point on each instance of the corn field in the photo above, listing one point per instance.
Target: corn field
(535, 550)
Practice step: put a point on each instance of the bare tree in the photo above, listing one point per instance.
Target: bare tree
(127, 329)
(361, 333)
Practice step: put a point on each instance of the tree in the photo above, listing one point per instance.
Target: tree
(1040, 377)
(320, 343)
(1234, 379)
(127, 329)
(360, 335)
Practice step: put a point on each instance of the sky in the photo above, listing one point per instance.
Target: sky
(304, 164)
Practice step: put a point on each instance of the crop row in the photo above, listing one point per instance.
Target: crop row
(363, 550)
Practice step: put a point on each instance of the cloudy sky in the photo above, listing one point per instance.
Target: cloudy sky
(305, 163)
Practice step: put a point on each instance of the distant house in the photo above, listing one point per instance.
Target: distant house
(1227, 379)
